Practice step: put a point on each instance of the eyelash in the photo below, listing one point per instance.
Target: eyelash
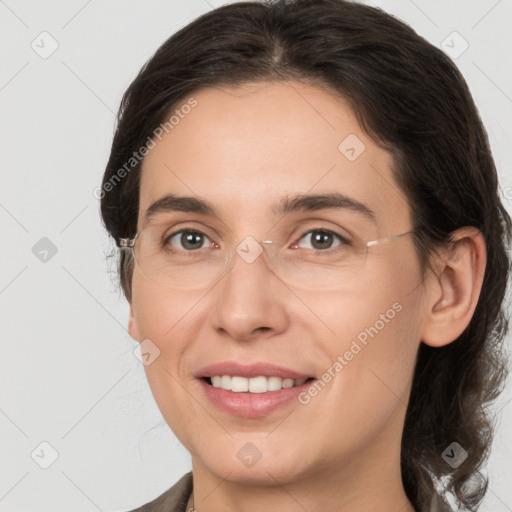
(344, 241)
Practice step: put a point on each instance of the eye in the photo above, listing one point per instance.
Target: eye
(188, 239)
(322, 239)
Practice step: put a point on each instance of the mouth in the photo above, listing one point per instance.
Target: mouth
(253, 397)
(258, 384)
(254, 390)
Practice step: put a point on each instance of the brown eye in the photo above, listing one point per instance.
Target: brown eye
(322, 239)
(187, 240)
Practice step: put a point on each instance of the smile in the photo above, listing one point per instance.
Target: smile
(260, 384)
(253, 390)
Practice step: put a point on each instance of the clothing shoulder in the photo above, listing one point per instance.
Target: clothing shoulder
(173, 500)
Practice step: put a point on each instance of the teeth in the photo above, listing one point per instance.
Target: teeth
(253, 385)
(274, 383)
(225, 382)
(256, 384)
(239, 384)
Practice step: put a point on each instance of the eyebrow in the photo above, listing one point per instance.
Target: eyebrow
(297, 203)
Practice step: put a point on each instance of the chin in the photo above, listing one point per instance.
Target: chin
(262, 466)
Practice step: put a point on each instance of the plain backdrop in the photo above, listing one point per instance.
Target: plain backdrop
(73, 397)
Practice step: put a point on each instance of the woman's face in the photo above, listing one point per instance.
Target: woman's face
(244, 150)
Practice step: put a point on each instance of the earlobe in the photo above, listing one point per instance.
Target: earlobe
(454, 291)
(132, 326)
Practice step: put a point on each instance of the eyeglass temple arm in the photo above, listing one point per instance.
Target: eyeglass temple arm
(388, 239)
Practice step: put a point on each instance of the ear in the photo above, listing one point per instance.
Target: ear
(454, 287)
(132, 325)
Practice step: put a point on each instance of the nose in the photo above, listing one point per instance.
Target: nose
(251, 299)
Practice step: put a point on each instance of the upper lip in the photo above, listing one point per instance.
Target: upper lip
(251, 370)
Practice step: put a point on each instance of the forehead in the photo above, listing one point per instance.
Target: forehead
(245, 148)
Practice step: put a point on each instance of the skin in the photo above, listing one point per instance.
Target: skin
(243, 149)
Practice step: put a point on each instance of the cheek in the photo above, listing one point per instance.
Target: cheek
(376, 327)
(375, 350)
(382, 302)
(379, 332)
(160, 313)
(167, 319)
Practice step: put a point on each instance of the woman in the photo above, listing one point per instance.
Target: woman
(314, 252)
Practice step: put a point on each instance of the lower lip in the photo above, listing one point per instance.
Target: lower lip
(251, 405)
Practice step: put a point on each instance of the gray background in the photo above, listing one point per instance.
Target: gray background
(68, 376)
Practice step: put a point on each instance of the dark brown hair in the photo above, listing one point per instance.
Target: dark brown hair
(412, 100)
